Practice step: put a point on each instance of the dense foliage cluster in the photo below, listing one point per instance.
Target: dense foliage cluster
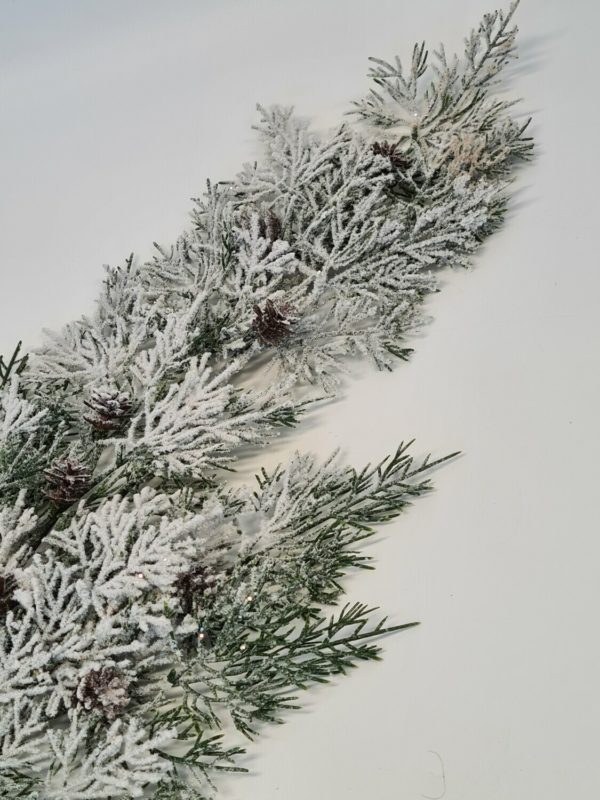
(142, 599)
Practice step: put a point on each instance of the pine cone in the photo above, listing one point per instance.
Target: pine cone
(195, 585)
(7, 600)
(273, 324)
(67, 481)
(269, 224)
(110, 409)
(389, 151)
(104, 690)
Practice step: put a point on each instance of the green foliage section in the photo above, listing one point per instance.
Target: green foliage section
(267, 634)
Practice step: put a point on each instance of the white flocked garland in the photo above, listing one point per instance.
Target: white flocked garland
(143, 600)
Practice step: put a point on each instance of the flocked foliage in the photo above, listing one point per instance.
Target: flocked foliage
(143, 600)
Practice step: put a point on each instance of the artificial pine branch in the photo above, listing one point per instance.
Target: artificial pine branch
(143, 602)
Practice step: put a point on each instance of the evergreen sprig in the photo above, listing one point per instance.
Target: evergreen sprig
(144, 603)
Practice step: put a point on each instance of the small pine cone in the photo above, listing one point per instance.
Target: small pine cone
(389, 151)
(273, 323)
(105, 691)
(110, 409)
(66, 481)
(7, 600)
(269, 224)
(194, 586)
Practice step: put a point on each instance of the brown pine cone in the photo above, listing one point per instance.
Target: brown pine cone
(110, 409)
(66, 481)
(105, 691)
(273, 323)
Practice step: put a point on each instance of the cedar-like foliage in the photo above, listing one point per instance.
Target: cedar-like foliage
(142, 599)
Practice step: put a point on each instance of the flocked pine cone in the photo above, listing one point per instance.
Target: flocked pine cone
(7, 600)
(194, 586)
(104, 690)
(66, 481)
(272, 325)
(390, 151)
(109, 409)
(269, 224)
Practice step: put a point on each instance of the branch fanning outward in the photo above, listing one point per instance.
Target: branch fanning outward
(143, 601)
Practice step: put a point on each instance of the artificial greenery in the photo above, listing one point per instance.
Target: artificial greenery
(143, 600)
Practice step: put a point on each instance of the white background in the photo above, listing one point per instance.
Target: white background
(113, 115)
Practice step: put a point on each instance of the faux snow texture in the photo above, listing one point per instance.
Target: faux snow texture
(143, 600)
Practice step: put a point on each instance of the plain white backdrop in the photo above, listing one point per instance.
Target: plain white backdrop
(113, 114)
